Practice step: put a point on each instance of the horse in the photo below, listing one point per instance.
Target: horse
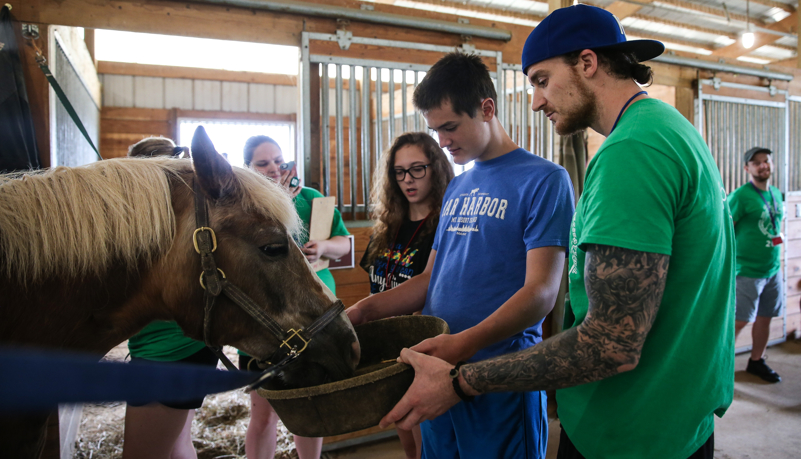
(90, 255)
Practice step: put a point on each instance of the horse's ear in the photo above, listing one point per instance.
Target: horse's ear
(211, 169)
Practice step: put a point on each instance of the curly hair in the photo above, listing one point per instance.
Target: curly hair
(390, 206)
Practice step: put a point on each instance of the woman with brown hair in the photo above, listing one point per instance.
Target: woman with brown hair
(407, 199)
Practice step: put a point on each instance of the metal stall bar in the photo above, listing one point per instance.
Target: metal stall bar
(794, 143)
(403, 101)
(304, 139)
(339, 139)
(365, 112)
(514, 107)
(416, 111)
(391, 106)
(524, 114)
(379, 141)
(501, 108)
(353, 164)
(325, 94)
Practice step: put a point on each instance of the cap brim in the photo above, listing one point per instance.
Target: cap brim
(643, 50)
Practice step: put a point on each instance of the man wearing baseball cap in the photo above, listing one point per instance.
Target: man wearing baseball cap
(757, 211)
(647, 358)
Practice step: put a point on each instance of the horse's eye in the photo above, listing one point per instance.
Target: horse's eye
(274, 250)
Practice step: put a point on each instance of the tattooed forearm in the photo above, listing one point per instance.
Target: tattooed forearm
(625, 289)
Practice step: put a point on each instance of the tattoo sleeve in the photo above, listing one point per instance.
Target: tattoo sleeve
(625, 289)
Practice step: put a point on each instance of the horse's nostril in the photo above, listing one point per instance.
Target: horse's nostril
(356, 354)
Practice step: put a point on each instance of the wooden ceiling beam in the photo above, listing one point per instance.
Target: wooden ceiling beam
(775, 4)
(623, 9)
(736, 49)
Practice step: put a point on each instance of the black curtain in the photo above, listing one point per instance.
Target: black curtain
(17, 140)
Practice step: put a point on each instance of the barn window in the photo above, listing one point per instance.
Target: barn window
(229, 136)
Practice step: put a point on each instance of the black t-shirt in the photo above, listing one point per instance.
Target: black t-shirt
(403, 264)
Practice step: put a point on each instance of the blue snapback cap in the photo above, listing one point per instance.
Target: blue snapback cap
(580, 27)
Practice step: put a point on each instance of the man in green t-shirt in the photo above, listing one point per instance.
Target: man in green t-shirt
(757, 211)
(647, 360)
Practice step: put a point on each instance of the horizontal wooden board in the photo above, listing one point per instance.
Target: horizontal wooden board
(793, 229)
(793, 286)
(793, 249)
(135, 114)
(351, 276)
(794, 267)
(776, 332)
(218, 114)
(166, 71)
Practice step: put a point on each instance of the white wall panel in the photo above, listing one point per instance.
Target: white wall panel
(286, 99)
(262, 98)
(208, 95)
(234, 97)
(148, 92)
(178, 93)
(118, 90)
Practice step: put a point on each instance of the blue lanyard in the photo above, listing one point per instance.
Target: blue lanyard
(624, 108)
(772, 210)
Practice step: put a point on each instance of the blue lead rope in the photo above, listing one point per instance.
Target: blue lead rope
(36, 380)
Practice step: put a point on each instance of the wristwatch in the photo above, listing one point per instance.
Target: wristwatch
(454, 374)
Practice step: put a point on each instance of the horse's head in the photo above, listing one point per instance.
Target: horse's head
(254, 222)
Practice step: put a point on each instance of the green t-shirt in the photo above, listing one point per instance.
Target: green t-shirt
(303, 204)
(757, 257)
(654, 187)
(163, 341)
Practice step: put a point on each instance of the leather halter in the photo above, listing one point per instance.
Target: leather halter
(214, 283)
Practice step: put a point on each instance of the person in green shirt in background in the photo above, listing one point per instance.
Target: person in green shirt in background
(647, 360)
(757, 210)
(264, 156)
(162, 429)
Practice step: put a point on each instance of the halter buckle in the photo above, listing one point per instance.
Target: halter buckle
(292, 334)
(202, 284)
(213, 239)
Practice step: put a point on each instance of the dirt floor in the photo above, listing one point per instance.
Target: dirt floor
(218, 429)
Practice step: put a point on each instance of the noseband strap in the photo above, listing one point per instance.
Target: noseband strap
(213, 280)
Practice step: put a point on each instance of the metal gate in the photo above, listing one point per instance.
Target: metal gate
(530, 130)
(732, 125)
(368, 105)
(794, 144)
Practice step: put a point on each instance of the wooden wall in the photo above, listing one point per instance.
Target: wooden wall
(354, 284)
(147, 100)
(792, 232)
(148, 86)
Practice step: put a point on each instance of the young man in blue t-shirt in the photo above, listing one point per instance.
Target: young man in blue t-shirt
(495, 266)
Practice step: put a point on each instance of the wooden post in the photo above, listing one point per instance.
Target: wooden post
(317, 157)
(798, 32)
(89, 39)
(38, 88)
(556, 4)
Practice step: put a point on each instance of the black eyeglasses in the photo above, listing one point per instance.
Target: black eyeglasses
(417, 172)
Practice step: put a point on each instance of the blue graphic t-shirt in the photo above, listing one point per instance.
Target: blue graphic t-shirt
(492, 215)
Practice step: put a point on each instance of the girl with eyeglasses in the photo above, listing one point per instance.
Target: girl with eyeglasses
(407, 198)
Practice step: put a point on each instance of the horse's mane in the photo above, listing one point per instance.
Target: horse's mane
(78, 221)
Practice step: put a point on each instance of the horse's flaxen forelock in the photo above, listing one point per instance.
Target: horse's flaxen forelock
(259, 194)
(73, 222)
